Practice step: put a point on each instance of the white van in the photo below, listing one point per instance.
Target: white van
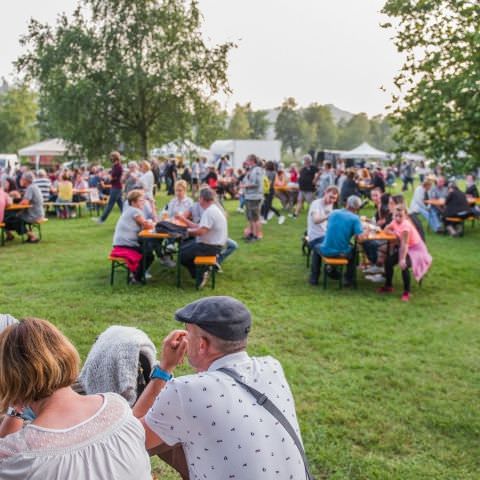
(8, 163)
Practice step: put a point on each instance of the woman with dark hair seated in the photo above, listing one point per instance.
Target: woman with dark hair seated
(72, 435)
(456, 205)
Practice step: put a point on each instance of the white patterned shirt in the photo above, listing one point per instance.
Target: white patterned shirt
(224, 432)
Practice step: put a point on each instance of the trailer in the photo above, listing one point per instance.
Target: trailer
(238, 150)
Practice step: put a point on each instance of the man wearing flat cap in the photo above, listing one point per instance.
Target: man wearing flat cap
(207, 425)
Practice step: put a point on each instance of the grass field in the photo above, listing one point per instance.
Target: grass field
(383, 389)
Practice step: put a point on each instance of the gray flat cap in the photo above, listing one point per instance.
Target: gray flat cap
(223, 317)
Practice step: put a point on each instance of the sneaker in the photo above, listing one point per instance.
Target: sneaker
(168, 262)
(206, 276)
(405, 297)
(218, 268)
(148, 276)
(313, 281)
(170, 248)
(263, 221)
(97, 220)
(373, 269)
(240, 210)
(378, 278)
(270, 215)
(281, 220)
(385, 290)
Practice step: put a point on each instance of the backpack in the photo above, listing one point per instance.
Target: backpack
(171, 229)
(266, 185)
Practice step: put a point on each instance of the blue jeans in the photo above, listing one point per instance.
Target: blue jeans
(432, 216)
(115, 197)
(229, 248)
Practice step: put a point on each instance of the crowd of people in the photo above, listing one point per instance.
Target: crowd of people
(234, 418)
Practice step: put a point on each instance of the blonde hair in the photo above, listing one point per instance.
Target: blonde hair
(181, 184)
(134, 195)
(146, 165)
(36, 359)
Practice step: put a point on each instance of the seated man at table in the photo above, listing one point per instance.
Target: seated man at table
(318, 214)
(457, 206)
(32, 197)
(211, 233)
(342, 226)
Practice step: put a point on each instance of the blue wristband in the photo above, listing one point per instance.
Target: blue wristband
(157, 372)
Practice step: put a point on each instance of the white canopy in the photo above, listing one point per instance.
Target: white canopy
(366, 151)
(182, 148)
(54, 147)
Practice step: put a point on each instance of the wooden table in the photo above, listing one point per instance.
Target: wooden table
(17, 207)
(436, 202)
(152, 234)
(381, 236)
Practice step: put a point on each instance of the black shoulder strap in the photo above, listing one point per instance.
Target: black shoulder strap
(265, 402)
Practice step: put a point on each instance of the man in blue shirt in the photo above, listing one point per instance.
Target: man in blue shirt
(342, 226)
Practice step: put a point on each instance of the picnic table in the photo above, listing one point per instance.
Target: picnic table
(151, 234)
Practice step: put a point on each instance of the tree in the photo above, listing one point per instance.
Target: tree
(325, 128)
(439, 113)
(258, 121)
(288, 127)
(124, 71)
(18, 114)
(239, 127)
(354, 132)
(381, 133)
(210, 123)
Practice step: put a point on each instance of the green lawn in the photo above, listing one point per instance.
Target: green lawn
(384, 390)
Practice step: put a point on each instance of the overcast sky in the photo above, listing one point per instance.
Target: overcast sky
(326, 51)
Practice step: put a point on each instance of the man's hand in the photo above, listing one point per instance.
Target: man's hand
(173, 351)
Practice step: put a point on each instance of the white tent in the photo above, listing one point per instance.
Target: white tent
(366, 151)
(181, 148)
(54, 147)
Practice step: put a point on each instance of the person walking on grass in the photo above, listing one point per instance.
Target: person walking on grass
(253, 191)
(116, 187)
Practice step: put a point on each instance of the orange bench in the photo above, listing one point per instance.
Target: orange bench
(333, 262)
(118, 263)
(203, 264)
(461, 222)
(2, 234)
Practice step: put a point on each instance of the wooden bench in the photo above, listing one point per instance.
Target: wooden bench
(118, 263)
(337, 262)
(203, 264)
(461, 222)
(2, 234)
(37, 224)
(96, 205)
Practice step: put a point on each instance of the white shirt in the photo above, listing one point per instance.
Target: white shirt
(224, 432)
(179, 206)
(110, 444)
(214, 219)
(316, 230)
(418, 200)
(147, 180)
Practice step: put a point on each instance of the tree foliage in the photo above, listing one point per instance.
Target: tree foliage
(320, 116)
(18, 118)
(210, 123)
(289, 127)
(124, 71)
(239, 127)
(439, 113)
(354, 132)
(258, 121)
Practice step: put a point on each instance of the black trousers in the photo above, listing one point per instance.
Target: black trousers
(191, 249)
(267, 205)
(391, 261)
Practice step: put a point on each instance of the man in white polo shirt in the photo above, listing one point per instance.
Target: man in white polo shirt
(223, 431)
(211, 233)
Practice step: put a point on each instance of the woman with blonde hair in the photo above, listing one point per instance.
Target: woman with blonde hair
(72, 436)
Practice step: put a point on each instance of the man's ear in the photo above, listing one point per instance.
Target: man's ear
(204, 345)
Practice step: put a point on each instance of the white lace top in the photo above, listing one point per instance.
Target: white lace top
(110, 444)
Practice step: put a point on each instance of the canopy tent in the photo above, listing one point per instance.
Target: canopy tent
(53, 147)
(183, 148)
(366, 151)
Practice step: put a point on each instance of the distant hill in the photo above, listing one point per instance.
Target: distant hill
(337, 114)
